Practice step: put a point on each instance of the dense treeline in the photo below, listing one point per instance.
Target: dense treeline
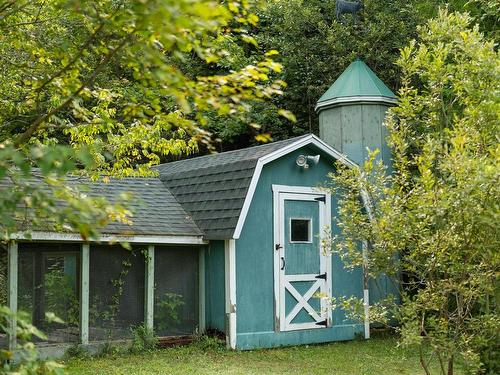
(315, 49)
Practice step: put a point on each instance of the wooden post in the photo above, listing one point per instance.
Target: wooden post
(230, 275)
(366, 278)
(149, 285)
(201, 291)
(366, 290)
(84, 294)
(12, 285)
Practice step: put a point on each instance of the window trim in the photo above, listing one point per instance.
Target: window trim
(310, 234)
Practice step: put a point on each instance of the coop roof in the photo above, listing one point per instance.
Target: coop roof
(192, 201)
(357, 83)
(213, 188)
(155, 210)
(217, 189)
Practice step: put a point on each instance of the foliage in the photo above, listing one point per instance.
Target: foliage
(315, 48)
(167, 310)
(107, 78)
(77, 351)
(3, 276)
(143, 339)
(436, 218)
(28, 361)
(205, 342)
(108, 349)
(61, 296)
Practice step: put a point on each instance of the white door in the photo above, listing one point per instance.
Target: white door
(302, 267)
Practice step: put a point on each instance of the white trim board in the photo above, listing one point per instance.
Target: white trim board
(355, 100)
(308, 140)
(230, 282)
(145, 239)
(282, 282)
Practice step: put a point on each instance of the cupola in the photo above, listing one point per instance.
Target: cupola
(352, 113)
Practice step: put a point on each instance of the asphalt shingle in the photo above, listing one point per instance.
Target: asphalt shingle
(213, 188)
(155, 210)
(197, 196)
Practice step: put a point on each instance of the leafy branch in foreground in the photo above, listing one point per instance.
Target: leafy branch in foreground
(27, 361)
(102, 87)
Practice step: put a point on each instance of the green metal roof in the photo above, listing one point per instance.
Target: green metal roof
(357, 83)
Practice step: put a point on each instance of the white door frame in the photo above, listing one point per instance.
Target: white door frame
(281, 281)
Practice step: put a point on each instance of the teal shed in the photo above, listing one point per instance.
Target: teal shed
(232, 241)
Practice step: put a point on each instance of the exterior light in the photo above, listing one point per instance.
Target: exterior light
(303, 160)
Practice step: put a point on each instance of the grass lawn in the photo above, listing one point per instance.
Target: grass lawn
(376, 356)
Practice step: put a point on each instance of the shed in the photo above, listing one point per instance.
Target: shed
(229, 242)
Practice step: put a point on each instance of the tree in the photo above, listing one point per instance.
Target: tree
(100, 86)
(435, 220)
(315, 48)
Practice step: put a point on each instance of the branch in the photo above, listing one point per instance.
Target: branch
(23, 137)
(75, 59)
(35, 22)
(13, 11)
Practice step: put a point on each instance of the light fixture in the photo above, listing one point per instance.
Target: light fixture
(303, 160)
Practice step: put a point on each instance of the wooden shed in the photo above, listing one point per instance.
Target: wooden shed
(229, 242)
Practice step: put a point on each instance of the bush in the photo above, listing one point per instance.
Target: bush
(77, 351)
(213, 343)
(143, 339)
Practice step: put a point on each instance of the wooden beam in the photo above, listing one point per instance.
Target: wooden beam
(366, 291)
(84, 293)
(12, 287)
(230, 275)
(149, 285)
(74, 237)
(201, 291)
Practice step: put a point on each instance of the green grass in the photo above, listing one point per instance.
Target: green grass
(375, 356)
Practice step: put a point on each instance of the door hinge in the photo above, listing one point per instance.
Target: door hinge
(323, 323)
(322, 276)
(320, 199)
(278, 246)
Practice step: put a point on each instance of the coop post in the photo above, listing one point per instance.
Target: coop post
(149, 288)
(201, 275)
(230, 275)
(84, 294)
(12, 285)
(366, 291)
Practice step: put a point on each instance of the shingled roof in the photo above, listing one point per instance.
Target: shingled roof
(202, 196)
(213, 188)
(155, 210)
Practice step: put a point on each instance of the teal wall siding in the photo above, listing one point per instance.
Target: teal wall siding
(215, 286)
(254, 263)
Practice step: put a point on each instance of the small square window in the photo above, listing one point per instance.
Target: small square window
(300, 230)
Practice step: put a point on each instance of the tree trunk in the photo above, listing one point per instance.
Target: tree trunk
(450, 366)
(422, 360)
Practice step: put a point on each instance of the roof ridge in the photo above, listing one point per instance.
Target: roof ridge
(37, 173)
(232, 151)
